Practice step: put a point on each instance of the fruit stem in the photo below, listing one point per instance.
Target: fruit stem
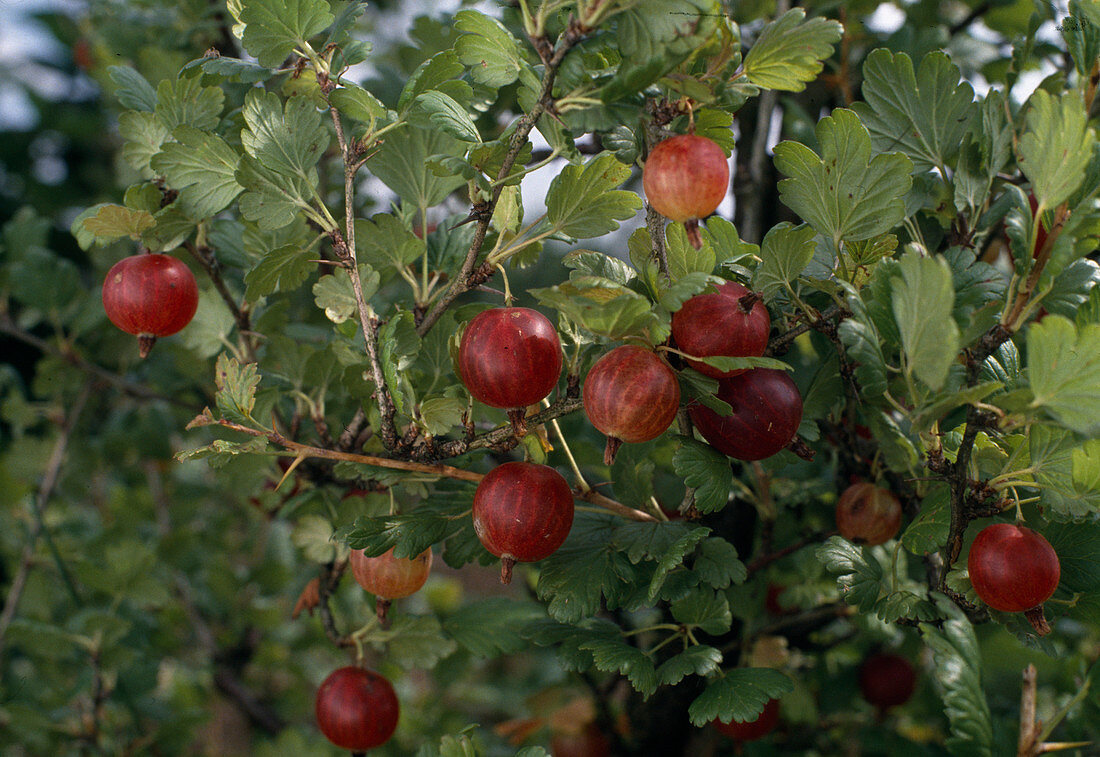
(1038, 620)
(609, 451)
(692, 229)
(746, 302)
(381, 606)
(507, 562)
(507, 290)
(145, 344)
(518, 417)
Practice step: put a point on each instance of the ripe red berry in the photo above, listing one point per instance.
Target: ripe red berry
(868, 514)
(522, 513)
(388, 577)
(631, 395)
(767, 409)
(510, 358)
(685, 178)
(718, 324)
(751, 730)
(150, 296)
(1014, 569)
(887, 680)
(356, 709)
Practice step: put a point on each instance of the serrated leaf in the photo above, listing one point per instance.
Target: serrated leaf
(236, 385)
(492, 627)
(602, 306)
(612, 654)
(440, 414)
(844, 193)
(739, 695)
(441, 111)
(923, 114)
(582, 201)
(864, 344)
(790, 51)
(144, 134)
(584, 569)
(209, 330)
(203, 167)
(185, 102)
(924, 299)
(335, 294)
(487, 49)
(717, 564)
(398, 346)
(132, 89)
(271, 200)
(683, 258)
(1051, 147)
(785, 252)
(286, 139)
(402, 165)
(408, 534)
(705, 469)
(700, 660)
(273, 28)
(355, 102)
(958, 672)
(905, 604)
(441, 72)
(1064, 470)
(111, 222)
(929, 530)
(674, 556)
(414, 642)
(232, 69)
(707, 609)
(594, 263)
(281, 270)
(1066, 380)
(859, 580)
(313, 535)
(220, 451)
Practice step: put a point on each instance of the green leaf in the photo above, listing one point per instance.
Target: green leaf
(717, 564)
(236, 385)
(440, 72)
(860, 581)
(402, 165)
(185, 102)
(492, 627)
(683, 258)
(611, 654)
(700, 660)
(335, 294)
(739, 694)
(281, 270)
(790, 51)
(1067, 471)
(203, 167)
(386, 244)
(287, 140)
(487, 49)
(864, 344)
(413, 642)
(958, 668)
(398, 346)
(443, 112)
(111, 222)
(132, 90)
(584, 569)
(313, 535)
(704, 608)
(1066, 380)
(707, 471)
(924, 299)
(408, 534)
(144, 134)
(441, 414)
(923, 114)
(674, 556)
(1057, 136)
(1077, 545)
(603, 307)
(905, 604)
(844, 193)
(929, 530)
(220, 451)
(274, 28)
(231, 69)
(785, 252)
(208, 331)
(582, 201)
(355, 102)
(271, 201)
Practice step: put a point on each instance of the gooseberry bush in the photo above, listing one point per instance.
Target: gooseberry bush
(532, 358)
